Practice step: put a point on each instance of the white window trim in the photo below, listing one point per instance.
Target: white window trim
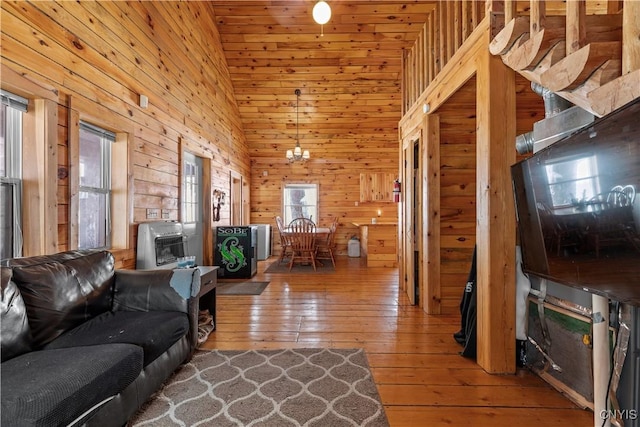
(107, 140)
(288, 186)
(121, 211)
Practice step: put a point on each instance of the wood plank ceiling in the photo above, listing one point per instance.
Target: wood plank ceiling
(349, 77)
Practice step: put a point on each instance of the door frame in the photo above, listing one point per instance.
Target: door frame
(239, 198)
(193, 229)
(409, 204)
(207, 199)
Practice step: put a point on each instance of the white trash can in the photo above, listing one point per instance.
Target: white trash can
(353, 248)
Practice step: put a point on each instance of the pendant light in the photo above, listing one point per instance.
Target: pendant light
(321, 14)
(297, 155)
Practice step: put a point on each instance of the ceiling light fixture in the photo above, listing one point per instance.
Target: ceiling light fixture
(297, 154)
(321, 14)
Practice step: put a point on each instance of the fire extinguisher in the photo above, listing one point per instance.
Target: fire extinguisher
(396, 191)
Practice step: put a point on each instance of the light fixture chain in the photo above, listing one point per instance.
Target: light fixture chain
(298, 117)
(297, 154)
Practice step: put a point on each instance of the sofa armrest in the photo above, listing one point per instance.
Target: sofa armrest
(172, 290)
(151, 290)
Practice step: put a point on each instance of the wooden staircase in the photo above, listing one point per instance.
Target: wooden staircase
(591, 60)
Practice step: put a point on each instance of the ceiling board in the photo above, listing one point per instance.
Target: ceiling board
(349, 77)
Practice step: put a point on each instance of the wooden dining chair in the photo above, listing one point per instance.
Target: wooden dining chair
(302, 236)
(301, 220)
(285, 244)
(612, 228)
(630, 192)
(325, 248)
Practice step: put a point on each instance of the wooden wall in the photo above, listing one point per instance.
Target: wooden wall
(457, 193)
(98, 57)
(458, 181)
(335, 165)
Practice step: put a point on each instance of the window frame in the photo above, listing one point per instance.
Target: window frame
(315, 206)
(14, 107)
(107, 140)
(121, 210)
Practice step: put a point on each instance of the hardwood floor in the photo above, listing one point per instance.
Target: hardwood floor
(422, 379)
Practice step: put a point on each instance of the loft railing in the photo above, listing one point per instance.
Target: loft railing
(588, 52)
(447, 27)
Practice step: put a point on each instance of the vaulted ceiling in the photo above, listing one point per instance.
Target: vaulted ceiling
(349, 72)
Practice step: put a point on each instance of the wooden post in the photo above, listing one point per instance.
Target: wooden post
(576, 28)
(537, 16)
(509, 11)
(431, 300)
(496, 226)
(40, 174)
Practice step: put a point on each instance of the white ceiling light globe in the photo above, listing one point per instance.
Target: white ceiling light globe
(321, 12)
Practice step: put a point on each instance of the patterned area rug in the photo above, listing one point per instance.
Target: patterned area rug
(240, 288)
(325, 268)
(278, 388)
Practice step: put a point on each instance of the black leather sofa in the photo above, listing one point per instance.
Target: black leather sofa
(86, 344)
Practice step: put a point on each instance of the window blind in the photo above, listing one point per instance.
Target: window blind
(98, 131)
(14, 101)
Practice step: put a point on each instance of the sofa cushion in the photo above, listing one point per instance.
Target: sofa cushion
(154, 331)
(64, 290)
(54, 387)
(16, 335)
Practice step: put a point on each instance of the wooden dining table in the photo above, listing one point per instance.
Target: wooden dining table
(321, 233)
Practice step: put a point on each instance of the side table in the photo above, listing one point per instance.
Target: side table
(207, 294)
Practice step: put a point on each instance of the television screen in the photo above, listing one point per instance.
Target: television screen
(578, 214)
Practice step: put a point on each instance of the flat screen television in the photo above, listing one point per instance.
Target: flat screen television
(578, 214)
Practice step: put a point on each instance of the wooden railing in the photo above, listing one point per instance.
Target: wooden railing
(447, 27)
(588, 52)
(589, 57)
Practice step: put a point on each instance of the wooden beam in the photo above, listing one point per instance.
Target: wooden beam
(556, 54)
(630, 36)
(432, 297)
(495, 231)
(512, 31)
(574, 69)
(615, 94)
(530, 53)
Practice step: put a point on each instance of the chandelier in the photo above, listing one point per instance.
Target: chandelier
(297, 154)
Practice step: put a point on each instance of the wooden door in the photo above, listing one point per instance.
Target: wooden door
(236, 198)
(408, 243)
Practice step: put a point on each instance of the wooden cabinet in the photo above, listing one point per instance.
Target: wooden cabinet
(378, 243)
(376, 187)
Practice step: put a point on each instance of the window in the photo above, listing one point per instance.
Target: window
(300, 200)
(572, 181)
(190, 189)
(11, 174)
(94, 206)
